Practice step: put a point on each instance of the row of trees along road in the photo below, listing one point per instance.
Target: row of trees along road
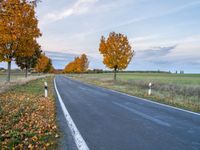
(78, 65)
(44, 65)
(117, 52)
(18, 33)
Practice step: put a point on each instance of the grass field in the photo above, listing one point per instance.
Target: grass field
(3, 77)
(14, 76)
(180, 90)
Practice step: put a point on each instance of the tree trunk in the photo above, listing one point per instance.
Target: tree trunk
(26, 72)
(115, 73)
(8, 71)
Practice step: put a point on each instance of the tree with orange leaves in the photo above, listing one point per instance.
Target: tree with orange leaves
(79, 65)
(42, 64)
(70, 67)
(116, 50)
(84, 63)
(18, 30)
(29, 62)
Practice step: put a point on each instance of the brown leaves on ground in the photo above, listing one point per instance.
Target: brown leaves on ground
(27, 122)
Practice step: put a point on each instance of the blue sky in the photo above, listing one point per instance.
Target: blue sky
(165, 35)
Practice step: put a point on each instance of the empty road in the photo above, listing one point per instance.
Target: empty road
(109, 120)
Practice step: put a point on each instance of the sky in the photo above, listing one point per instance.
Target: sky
(165, 35)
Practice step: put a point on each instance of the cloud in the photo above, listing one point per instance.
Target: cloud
(180, 8)
(60, 56)
(84, 6)
(143, 38)
(78, 8)
(186, 51)
(147, 42)
(60, 59)
(181, 54)
(172, 11)
(143, 18)
(155, 53)
(169, 49)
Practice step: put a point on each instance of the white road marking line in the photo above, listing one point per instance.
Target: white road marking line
(143, 115)
(149, 101)
(80, 142)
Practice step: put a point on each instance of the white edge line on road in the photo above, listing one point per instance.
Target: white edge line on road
(150, 101)
(80, 142)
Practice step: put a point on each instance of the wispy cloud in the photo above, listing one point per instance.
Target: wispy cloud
(84, 6)
(143, 38)
(78, 8)
(147, 42)
(60, 59)
(139, 19)
(155, 53)
(172, 11)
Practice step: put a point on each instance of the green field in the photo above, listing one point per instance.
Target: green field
(180, 90)
(3, 77)
(178, 79)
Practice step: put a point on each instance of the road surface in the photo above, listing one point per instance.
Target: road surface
(112, 121)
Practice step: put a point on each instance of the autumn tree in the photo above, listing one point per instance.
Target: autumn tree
(70, 68)
(116, 50)
(84, 63)
(42, 64)
(74, 66)
(29, 62)
(18, 29)
(78, 65)
(49, 66)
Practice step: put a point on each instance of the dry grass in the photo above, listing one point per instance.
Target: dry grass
(182, 91)
(18, 81)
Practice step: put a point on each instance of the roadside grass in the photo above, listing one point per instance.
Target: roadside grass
(14, 76)
(181, 91)
(27, 118)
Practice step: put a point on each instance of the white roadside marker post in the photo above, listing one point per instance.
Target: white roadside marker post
(45, 89)
(149, 91)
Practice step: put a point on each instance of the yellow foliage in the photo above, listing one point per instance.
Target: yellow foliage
(42, 63)
(18, 29)
(116, 50)
(79, 65)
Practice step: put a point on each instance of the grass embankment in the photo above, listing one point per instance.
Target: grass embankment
(16, 76)
(174, 89)
(27, 118)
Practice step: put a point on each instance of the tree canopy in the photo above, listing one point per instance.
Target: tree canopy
(78, 65)
(18, 30)
(44, 64)
(116, 50)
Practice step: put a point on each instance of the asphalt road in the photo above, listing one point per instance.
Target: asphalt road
(112, 121)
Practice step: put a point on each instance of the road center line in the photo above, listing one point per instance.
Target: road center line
(143, 115)
(80, 142)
